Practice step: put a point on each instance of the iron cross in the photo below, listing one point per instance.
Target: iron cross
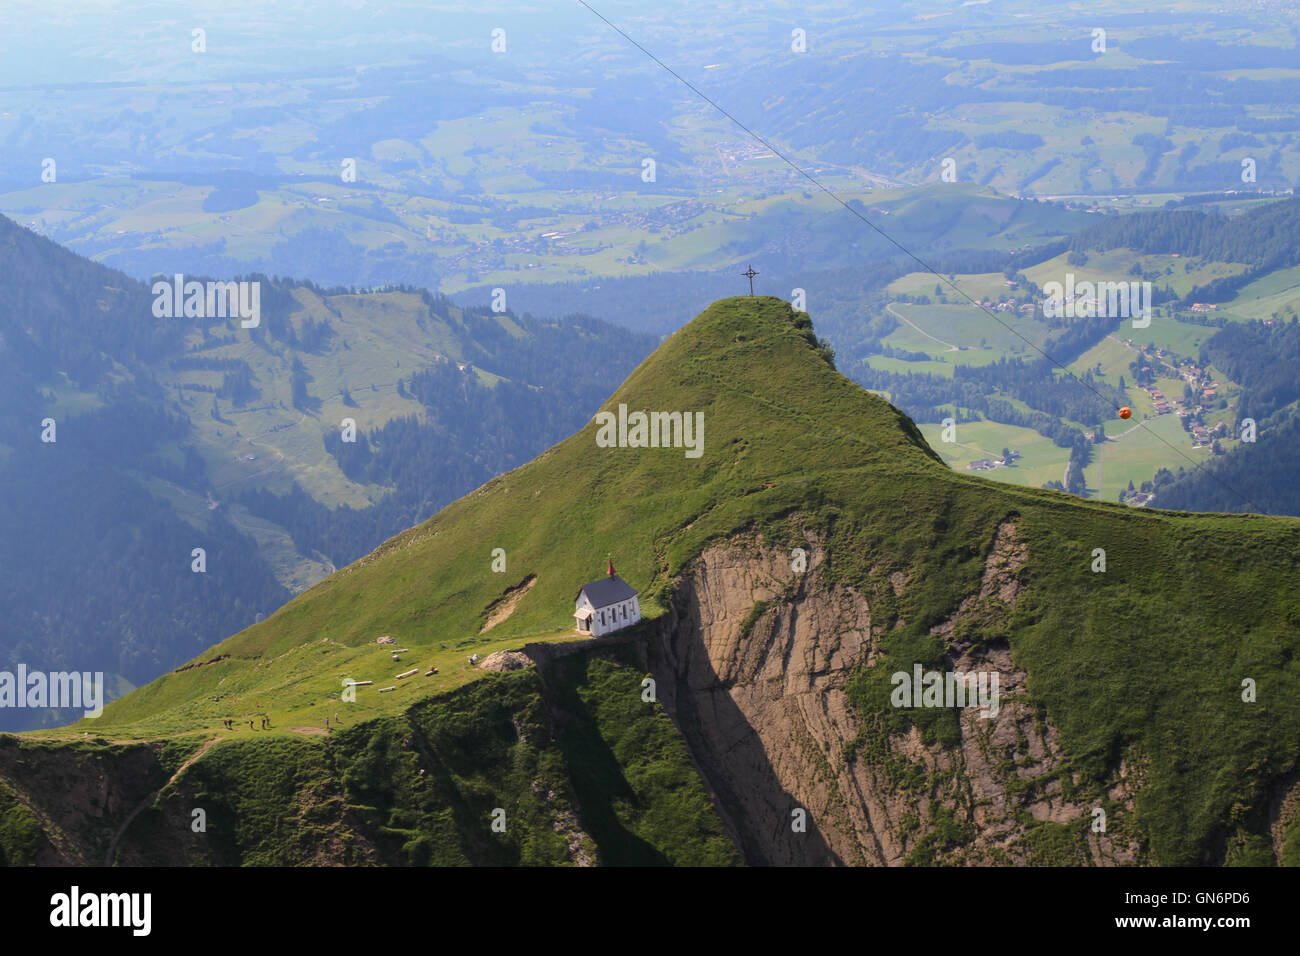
(751, 273)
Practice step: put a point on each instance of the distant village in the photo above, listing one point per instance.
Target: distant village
(1201, 393)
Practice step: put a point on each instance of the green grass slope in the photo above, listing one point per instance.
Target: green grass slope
(1140, 667)
(511, 770)
(432, 588)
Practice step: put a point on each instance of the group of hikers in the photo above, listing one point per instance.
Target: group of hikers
(229, 723)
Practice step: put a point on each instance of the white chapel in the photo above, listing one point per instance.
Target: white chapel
(606, 605)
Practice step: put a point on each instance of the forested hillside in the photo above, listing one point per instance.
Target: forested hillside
(1259, 474)
(1266, 240)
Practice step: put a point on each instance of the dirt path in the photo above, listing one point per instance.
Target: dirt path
(264, 471)
(279, 455)
(978, 448)
(902, 318)
(148, 801)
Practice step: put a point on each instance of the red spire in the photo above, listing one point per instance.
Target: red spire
(611, 567)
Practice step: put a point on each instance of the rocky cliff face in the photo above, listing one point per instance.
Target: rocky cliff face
(566, 755)
(754, 661)
(74, 801)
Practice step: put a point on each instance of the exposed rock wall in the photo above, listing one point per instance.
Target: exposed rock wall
(78, 798)
(753, 662)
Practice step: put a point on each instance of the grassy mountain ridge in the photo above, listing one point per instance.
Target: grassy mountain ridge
(418, 788)
(427, 591)
(1138, 670)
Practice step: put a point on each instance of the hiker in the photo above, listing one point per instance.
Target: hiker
(250, 725)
